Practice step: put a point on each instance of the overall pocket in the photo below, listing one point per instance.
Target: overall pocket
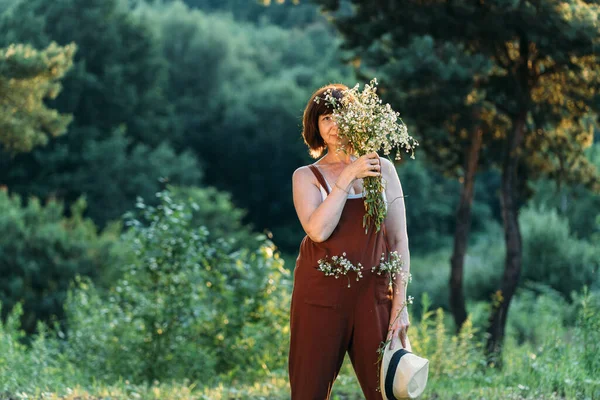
(320, 290)
(383, 292)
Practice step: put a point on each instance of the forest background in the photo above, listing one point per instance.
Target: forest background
(148, 231)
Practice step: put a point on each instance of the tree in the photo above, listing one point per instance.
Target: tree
(576, 202)
(41, 252)
(116, 87)
(291, 14)
(431, 224)
(5, 4)
(238, 90)
(538, 96)
(27, 77)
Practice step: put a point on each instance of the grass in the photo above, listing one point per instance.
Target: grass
(552, 361)
(525, 376)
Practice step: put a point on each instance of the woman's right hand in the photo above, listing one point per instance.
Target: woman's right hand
(367, 165)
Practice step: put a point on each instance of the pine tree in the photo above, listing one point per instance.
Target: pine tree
(119, 143)
(27, 78)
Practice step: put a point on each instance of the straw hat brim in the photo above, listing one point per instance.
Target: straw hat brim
(403, 375)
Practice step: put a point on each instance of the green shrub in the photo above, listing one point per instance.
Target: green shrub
(484, 264)
(559, 363)
(215, 210)
(41, 252)
(430, 275)
(553, 256)
(187, 306)
(577, 203)
(587, 331)
(30, 369)
(565, 361)
(482, 270)
(449, 356)
(552, 312)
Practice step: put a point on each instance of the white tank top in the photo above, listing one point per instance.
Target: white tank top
(350, 196)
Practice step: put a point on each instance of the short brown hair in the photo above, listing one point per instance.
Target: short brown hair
(312, 112)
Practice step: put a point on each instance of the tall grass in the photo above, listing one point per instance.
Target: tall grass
(559, 362)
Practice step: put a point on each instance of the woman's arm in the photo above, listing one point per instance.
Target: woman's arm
(319, 218)
(395, 223)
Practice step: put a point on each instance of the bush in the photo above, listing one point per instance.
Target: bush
(215, 210)
(29, 369)
(484, 264)
(551, 309)
(560, 363)
(553, 256)
(449, 356)
(577, 203)
(430, 276)
(188, 306)
(587, 331)
(41, 252)
(482, 270)
(565, 361)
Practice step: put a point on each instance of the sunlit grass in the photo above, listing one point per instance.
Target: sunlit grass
(559, 363)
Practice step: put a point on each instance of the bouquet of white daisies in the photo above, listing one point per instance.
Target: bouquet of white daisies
(368, 125)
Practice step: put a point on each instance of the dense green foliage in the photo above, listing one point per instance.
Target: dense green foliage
(4, 4)
(41, 251)
(186, 297)
(117, 146)
(215, 211)
(27, 78)
(430, 222)
(553, 256)
(287, 14)
(559, 362)
(186, 306)
(239, 90)
(578, 204)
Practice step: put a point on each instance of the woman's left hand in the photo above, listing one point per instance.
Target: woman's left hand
(398, 328)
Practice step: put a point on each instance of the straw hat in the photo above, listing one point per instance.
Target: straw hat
(403, 375)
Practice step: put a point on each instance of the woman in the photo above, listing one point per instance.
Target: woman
(330, 316)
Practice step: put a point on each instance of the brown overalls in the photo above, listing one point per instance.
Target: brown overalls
(329, 318)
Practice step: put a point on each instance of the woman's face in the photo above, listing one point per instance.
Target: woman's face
(329, 130)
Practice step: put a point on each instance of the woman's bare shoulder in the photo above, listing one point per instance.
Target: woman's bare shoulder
(305, 185)
(303, 169)
(303, 175)
(303, 172)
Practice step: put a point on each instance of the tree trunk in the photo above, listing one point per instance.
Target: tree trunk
(461, 233)
(512, 237)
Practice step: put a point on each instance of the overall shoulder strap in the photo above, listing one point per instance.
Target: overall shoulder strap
(320, 177)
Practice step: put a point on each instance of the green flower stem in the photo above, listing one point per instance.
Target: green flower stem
(375, 210)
